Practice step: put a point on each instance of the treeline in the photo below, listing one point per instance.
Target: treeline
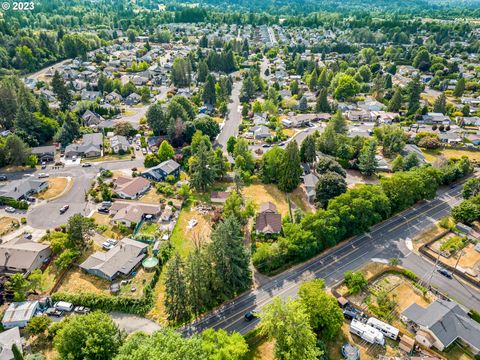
(354, 212)
(210, 275)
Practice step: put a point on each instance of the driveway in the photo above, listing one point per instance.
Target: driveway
(131, 323)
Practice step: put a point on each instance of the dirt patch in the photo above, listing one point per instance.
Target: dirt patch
(261, 193)
(56, 186)
(405, 295)
(7, 224)
(77, 281)
(152, 197)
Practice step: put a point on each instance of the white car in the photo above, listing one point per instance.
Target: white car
(43, 175)
(10, 209)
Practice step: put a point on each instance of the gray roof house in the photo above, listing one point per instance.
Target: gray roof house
(162, 170)
(19, 314)
(310, 182)
(91, 146)
(409, 148)
(121, 260)
(442, 323)
(44, 153)
(119, 143)
(23, 188)
(91, 118)
(23, 255)
(7, 339)
(133, 99)
(260, 132)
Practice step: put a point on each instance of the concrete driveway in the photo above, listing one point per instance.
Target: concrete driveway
(131, 323)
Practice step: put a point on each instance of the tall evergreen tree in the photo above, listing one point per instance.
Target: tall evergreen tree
(157, 120)
(367, 163)
(290, 176)
(202, 172)
(307, 150)
(229, 258)
(198, 273)
(339, 123)
(209, 94)
(176, 296)
(322, 104)
(396, 101)
(414, 91)
(203, 71)
(459, 88)
(440, 104)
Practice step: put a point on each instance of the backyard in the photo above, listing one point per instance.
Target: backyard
(261, 193)
(432, 155)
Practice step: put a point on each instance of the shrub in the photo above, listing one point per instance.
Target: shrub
(355, 281)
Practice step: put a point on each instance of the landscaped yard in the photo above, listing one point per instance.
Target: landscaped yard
(56, 186)
(7, 224)
(261, 193)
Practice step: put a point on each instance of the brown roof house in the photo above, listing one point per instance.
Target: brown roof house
(132, 212)
(269, 221)
(22, 255)
(120, 260)
(131, 188)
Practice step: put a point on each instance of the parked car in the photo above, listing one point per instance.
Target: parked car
(266, 145)
(86, 165)
(54, 312)
(3, 178)
(63, 306)
(81, 310)
(64, 209)
(106, 204)
(109, 244)
(27, 235)
(74, 158)
(445, 272)
(251, 315)
(44, 165)
(43, 175)
(10, 209)
(103, 210)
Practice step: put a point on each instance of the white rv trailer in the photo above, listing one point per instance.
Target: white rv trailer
(367, 332)
(386, 329)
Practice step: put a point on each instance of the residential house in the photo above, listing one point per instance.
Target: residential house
(119, 143)
(370, 105)
(409, 148)
(121, 260)
(44, 153)
(21, 255)
(268, 221)
(358, 115)
(383, 117)
(310, 184)
(114, 97)
(469, 120)
(91, 118)
(133, 99)
(441, 324)
(131, 188)
(435, 118)
(9, 338)
(162, 170)
(49, 95)
(128, 213)
(89, 95)
(451, 137)
(18, 314)
(23, 188)
(259, 132)
(91, 146)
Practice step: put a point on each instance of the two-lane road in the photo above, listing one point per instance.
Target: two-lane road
(384, 241)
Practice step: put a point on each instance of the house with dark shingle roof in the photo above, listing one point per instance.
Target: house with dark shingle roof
(121, 260)
(23, 188)
(162, 170)
(268, 221)
(131, 188)
(91, 146)
(441, 324)
(22, 255)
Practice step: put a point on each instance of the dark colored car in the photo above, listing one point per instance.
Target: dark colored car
(3, 178)
(445, 272)
(86, 165)
(349, 314)
(251, 315)
(54, 312)
(103, 210)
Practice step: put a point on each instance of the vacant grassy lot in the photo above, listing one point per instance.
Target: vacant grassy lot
(261, 193)
(183, 239)
(56, 186)
(432, 155)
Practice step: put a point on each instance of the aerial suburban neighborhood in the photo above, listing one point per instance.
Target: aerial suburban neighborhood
(240, 180)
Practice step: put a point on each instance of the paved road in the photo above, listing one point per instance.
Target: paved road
(234, 118)
(45, 214)
(384, 241)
